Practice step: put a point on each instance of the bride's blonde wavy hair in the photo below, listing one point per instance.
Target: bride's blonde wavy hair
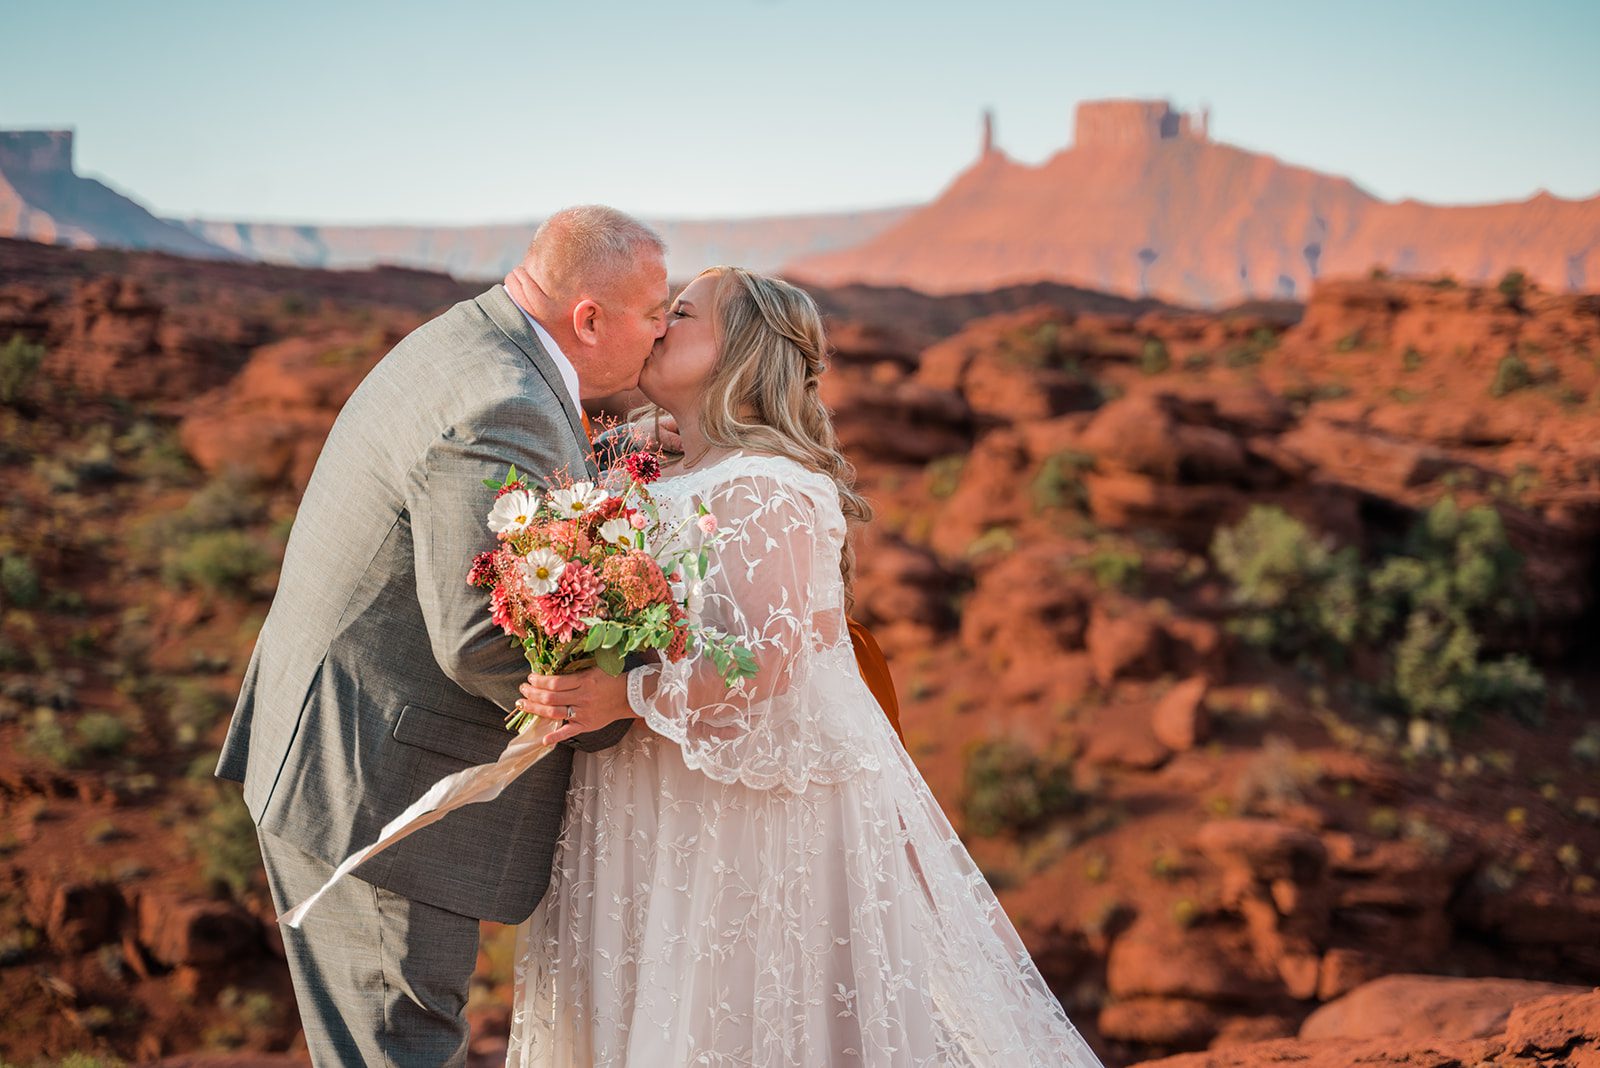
(761, 394)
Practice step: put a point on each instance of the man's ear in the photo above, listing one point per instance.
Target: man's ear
(586, 321)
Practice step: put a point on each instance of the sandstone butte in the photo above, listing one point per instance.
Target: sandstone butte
(1145, 203)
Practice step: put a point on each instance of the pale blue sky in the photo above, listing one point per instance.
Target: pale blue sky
(472, 110)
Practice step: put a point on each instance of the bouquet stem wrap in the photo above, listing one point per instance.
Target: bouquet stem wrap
(470, 786)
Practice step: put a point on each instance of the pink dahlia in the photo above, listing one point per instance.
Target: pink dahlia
(560, 612)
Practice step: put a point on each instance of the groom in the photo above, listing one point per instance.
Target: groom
(378, 670)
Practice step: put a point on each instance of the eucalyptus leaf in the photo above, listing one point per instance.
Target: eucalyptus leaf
(609, 660)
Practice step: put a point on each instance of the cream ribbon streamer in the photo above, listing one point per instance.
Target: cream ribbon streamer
(470, 786)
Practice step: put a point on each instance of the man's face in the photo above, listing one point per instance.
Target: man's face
(631, 319)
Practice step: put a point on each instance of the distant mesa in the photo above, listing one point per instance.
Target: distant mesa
(1146, 203)
(42, 198)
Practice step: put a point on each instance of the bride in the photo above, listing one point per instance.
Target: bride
(759, 875)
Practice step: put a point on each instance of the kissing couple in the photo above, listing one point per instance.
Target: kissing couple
(702, 874)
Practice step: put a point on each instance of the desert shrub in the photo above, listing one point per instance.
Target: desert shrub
(993, 540)
(1154, 357)
(47, 740)
(1423, 609)
(1059, 483)
(1295, 592)
(1457, 577)
(1510, 374)
(193, 709)
(1010, 789)
(1252, 350)
(1349, 343)
(19, 366)
(224, 841)
(19, 582)
(102, 733)
(1513, 286)
(223, 505)
(222, 561)
(156, 454)
(1112, 568)
(944, 476)
(1410, 359)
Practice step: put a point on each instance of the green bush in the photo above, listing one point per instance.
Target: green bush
(223, 561)
(1510, 374)
(193, 710)
(1422, 610)
(944, 476)
(224, 842)
(1297, 593)
(1113, 569)
(102, 733)
(1154, 358)
(19, 366)
(19, 582)
(48, 741)
(1513, 286)
(1009, 789)
(1059, 483)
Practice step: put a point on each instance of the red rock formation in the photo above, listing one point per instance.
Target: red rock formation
(1142, 204)
(43, 199)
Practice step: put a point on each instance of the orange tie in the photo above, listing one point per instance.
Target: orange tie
(588, 431)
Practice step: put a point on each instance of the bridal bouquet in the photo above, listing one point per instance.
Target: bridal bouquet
(584, 575)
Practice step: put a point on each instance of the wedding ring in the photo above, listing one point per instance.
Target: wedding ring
(570, 713)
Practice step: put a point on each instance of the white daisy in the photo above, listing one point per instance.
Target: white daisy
(513, 512)
(577, 499)
(617, 532)
(543, 569)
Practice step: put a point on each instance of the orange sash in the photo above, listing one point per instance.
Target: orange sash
(875, 670)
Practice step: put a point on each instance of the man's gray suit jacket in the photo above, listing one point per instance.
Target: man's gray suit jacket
(378, 670)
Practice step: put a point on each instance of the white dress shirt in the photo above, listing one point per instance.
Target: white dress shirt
(569, 374)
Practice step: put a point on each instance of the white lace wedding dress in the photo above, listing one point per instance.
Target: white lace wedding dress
(759, 876)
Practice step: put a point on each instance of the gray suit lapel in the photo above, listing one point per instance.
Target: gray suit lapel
(499, 307)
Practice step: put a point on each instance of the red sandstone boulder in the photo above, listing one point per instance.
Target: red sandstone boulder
(194, 932)
(1421, 1008)
(1180, 720)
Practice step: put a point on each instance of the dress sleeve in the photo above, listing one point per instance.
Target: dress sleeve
(773, 585)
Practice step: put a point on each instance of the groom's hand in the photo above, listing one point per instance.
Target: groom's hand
(580, 703)
(667, 435)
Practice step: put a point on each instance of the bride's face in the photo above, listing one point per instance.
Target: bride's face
(676, 371)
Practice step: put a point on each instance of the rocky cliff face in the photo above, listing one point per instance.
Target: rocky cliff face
(1144, 203)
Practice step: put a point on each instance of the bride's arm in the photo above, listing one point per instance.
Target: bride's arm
(769, 589)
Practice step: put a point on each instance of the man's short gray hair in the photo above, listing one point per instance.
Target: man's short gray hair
(588, 249)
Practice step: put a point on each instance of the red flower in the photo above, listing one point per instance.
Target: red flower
(577, 594)
(485, 569)
(510, 487)
(609, 508)
(642, 466)
(679, 647)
